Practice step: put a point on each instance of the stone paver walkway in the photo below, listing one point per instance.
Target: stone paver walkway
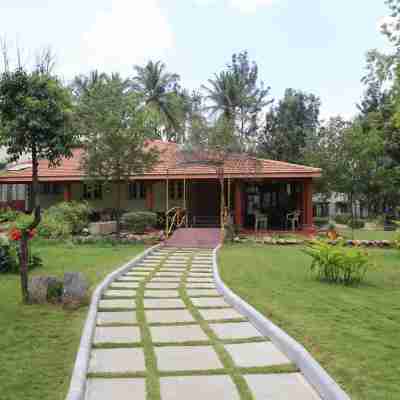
(164, 333)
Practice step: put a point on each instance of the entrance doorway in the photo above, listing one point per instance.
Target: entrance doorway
(205, 204)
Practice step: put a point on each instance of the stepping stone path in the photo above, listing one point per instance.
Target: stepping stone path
(164, 332)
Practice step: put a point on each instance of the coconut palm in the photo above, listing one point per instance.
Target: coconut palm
(160, 90)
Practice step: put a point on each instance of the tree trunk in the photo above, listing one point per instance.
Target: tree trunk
(118, 213)
(222, 206)
(23, 262)
(24, 242)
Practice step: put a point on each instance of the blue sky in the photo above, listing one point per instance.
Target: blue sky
(315, 45)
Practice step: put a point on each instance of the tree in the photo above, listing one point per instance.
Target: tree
(289, 125)
(238, 95)
(161, 94)
(115, 135)
(35, 118)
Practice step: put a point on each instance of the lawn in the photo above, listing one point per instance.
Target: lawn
(363, 234)
(39, 343)
(352, 332)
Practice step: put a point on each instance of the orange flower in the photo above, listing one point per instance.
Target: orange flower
(15, 234)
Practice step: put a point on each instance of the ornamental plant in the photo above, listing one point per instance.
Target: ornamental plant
(338, 264)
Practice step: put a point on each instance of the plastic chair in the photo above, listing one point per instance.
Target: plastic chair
(261, 220)
(292, 219)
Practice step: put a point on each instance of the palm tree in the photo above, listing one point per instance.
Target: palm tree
(161, 91)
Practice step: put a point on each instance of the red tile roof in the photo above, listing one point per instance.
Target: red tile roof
(171, 163)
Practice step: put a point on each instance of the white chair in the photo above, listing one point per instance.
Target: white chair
(292, 219)
(261, 221)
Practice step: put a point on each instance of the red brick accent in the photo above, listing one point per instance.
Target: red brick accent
(67, 192)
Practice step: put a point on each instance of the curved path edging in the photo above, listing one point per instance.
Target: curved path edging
(327, 388)
(78, 380)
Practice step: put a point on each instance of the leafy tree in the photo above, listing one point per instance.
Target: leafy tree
(115, 135)
(289, 125)
(162, 95)
(238, 95)
(35, 119)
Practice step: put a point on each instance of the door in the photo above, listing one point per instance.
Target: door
(205, 203)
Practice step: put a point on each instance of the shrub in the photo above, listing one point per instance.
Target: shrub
(338, 264)
(76, 214)
(9, 259)
(342, 219)
(49, 227)
(8, 215)
(140, 220)
(321, 221)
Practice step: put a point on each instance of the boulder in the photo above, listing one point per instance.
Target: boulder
(37, 289)
(75, 290)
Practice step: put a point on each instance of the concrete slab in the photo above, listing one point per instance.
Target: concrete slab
(220, 314)
(205, 274)
(200, 285)
(117, 304)
(163, 303)
(210, 302)
(202, 292)
(166, 279)
(127, 278)
(161, 294)
(256, 354)
(120, 293)
(168, 316)
(219, 387)
(162, 285)
(164, 273)
(182, 267)
(187, 358)
(201, 265)
(117, 360)
(125, 285)
(201, 270)
(280, 386)
(235, 330)
(121, 389)
(164, 269)
(206, 280)
(117, 317)
(177, 334)
(117, 334)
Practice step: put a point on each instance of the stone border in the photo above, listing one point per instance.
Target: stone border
(78, 380)
(327, 388)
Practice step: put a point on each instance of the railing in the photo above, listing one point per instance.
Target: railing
(175, 218)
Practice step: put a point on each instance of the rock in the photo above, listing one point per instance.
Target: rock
(37, 288)
(75, 288)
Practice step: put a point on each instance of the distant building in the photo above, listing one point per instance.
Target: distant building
(335, 205)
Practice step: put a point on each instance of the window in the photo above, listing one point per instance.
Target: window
(45, 188)
(175, 189)
(136, 190)
(132, 192)
(93, 192)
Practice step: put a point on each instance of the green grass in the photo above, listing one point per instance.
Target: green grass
(352, 331)
(363, 234)
(39, 343)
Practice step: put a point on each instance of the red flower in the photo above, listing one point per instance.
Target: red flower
(15, 234)
(31, 233)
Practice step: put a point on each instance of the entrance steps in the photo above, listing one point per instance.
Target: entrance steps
(207, 238)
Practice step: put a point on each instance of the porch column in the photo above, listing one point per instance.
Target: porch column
(307, 205)
(67, 192)
(238, 204)
(149, 196)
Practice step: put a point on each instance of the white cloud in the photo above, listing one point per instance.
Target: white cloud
(130, 32)
(244, 6)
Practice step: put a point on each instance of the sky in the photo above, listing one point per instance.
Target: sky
(317, 46)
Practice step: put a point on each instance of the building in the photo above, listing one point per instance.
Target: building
(251, 186)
